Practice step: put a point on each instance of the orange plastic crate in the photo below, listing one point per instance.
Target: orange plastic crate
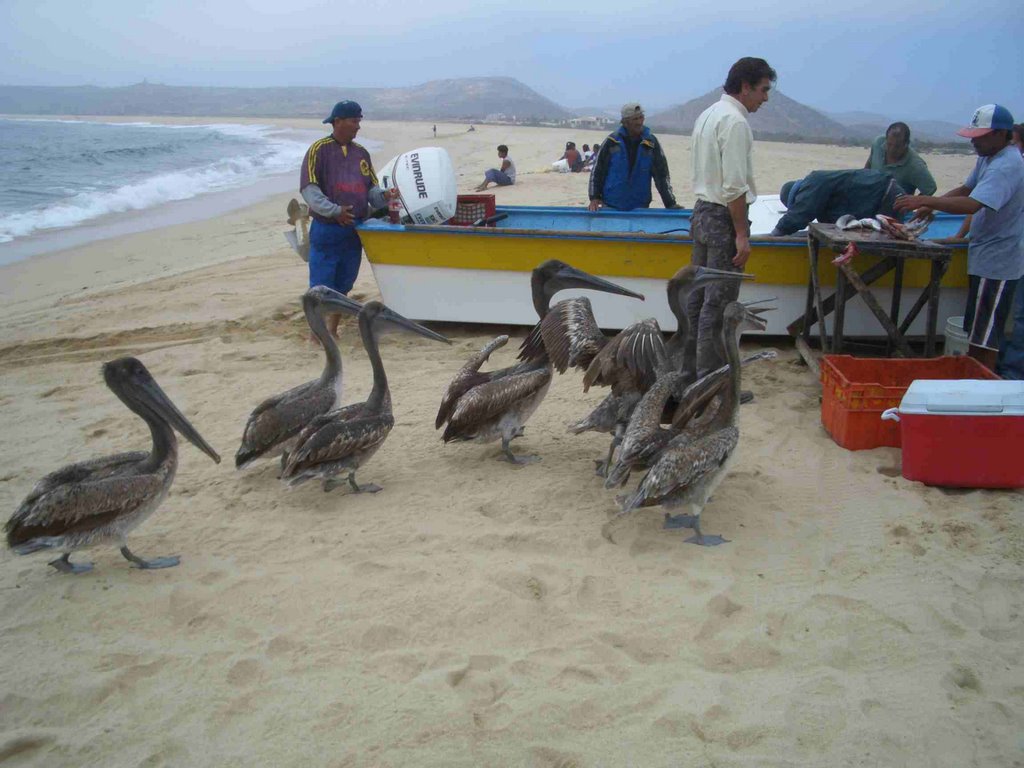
(855, 391)
(470, 208)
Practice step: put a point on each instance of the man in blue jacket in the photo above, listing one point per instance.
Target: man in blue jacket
(827, 195)
(625, 165)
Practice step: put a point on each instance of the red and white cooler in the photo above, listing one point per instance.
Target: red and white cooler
(962, 433)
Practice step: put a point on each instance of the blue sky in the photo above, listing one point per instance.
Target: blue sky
(902, 60)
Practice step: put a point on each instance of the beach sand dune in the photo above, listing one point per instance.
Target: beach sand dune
(472, 613)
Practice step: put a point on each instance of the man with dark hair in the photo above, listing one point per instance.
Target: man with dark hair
(993, 194)
(339, 186)
(892, 154)
(625, 164)
(723, 180)
(827, 195)
(504, 176)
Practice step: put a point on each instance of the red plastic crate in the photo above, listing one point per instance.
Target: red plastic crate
(855, 391)
(470, 208)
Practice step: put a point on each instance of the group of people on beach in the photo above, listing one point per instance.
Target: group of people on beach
(340, 187)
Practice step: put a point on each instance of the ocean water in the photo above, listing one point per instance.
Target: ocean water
(62, 173)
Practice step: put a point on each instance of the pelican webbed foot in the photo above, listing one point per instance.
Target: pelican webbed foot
(603, 466)
(519, 461)
(331, 483)
(693, 522)
(64, 565)
(150, 565)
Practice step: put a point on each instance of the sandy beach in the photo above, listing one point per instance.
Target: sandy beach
(472, 614)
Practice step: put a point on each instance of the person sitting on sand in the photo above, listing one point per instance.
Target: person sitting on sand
(892, 154)
(504, 176)
(827, 195)
(572, 157)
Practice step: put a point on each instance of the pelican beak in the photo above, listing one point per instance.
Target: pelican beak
(570, 277)
(332, 301)
(405, 323)
(710, 274)
(161, 403)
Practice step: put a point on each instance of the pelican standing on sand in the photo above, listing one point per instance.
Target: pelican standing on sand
(343, 440)
(632, 360)
(274, 424)
(485, 406)
(102, 500)
(689, 469)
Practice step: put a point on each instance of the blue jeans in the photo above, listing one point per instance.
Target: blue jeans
(334, 255)
(495, 176)
(1011, 354)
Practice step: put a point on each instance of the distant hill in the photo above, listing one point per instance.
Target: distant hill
(470, 98)
(868, 125)
(780, 118)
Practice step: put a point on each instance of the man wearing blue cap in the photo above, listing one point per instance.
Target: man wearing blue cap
(827, 195)
(339, 186)
(994, 194)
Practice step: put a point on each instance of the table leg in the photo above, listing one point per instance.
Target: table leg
(933, 307)
(813, 247)
(897, 294)
(840, 313)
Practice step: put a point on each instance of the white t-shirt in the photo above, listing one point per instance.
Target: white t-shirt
(511, 170)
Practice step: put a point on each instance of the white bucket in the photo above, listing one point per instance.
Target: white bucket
(956, 336)
(562, 166)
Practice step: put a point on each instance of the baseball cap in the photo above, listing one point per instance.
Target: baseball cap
(344, 109)
(632, 110)
(991, 117)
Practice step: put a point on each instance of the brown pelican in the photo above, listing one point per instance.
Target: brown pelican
(631, 361)
(343, 440)
(690, 467)
(486, 406)
(273, 426)
(102, 500)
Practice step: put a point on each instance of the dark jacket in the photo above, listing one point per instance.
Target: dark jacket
(827, 195)
(622, 173)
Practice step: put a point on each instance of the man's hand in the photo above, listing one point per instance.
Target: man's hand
(345, 218)
(913, 203)
(391, 194)
(595, 205)
(742, 251)
(675, 207)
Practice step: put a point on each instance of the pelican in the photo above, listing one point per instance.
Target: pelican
(274, 424)
(102, 500)
(486, 406)
(631, 362)
(344, 439)
(689, 468)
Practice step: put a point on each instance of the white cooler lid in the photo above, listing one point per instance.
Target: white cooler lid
(968, 397)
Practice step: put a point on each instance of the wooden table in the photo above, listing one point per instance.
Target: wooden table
(892, 255)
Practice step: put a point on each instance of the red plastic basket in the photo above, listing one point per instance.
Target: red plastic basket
(855, 391)
(470, 208)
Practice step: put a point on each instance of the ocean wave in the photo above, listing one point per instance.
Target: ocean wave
(272, 157)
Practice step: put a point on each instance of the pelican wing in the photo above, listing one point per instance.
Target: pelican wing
(80, 506)
(532, 347)
(571, 335)
(92, 469)
(336, 438)
(684, 463)
(630, 361)
(482, 404)
(281, 417)
(469, 376)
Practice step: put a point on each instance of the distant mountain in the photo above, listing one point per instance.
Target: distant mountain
(470, 98)
(868, 125)
(780, 118)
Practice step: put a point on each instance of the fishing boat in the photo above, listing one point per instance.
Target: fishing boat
(480, 274)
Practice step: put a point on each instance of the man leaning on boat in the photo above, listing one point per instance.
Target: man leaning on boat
(626, 162)
(723, 180)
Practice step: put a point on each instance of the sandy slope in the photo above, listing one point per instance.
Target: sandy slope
(472, 614)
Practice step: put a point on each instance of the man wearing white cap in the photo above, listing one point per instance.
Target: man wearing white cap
(626, 162)
(994, 194)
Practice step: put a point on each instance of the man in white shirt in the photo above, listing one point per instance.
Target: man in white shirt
(723, 180)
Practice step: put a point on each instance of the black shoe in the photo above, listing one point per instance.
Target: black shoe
(746, 396)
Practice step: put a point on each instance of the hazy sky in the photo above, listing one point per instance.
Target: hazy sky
(904, 60)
